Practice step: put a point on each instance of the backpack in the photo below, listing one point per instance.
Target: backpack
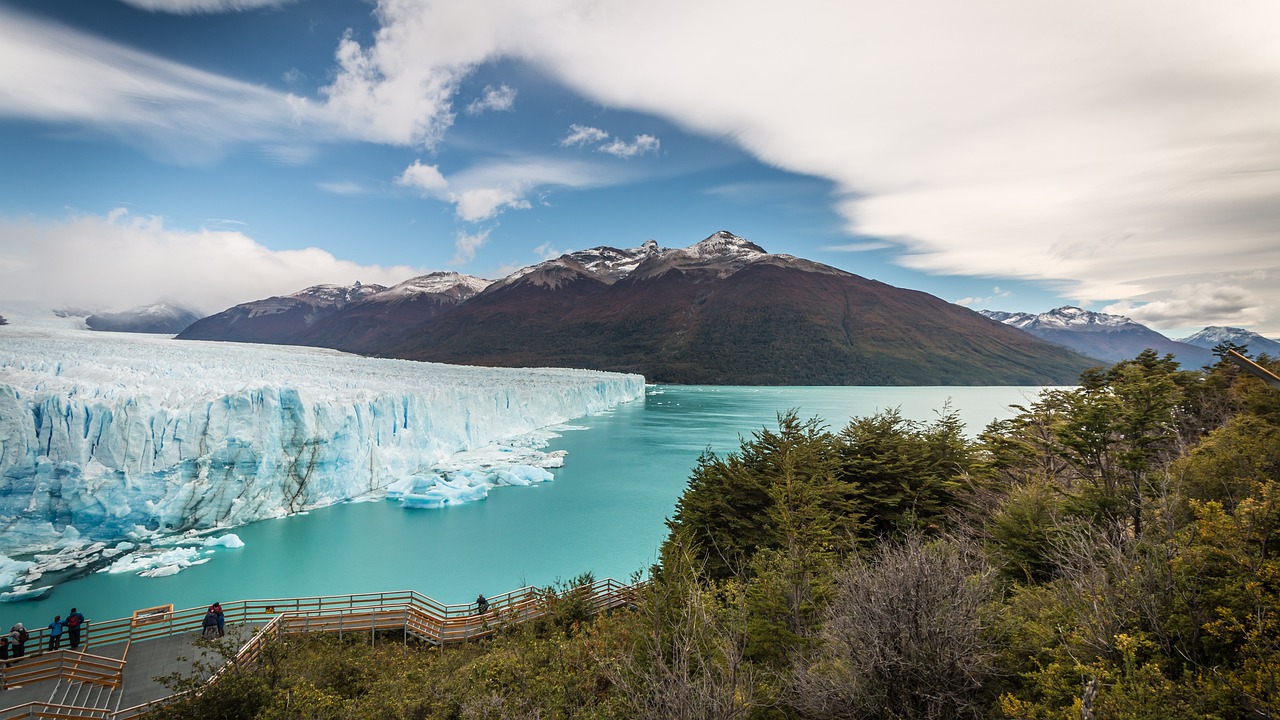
(23, 635)
(73, 621)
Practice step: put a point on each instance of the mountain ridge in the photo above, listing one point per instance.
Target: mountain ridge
(1101, 335)
(721, 311)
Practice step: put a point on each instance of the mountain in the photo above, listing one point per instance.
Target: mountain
(1212, 336)
(281, 320)
(1107, 337)
(375, 318)
(725, 311)
(163, 316)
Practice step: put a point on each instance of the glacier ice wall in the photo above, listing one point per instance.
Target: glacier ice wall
(107, 436)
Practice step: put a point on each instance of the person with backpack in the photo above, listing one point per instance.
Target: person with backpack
(55, 633)
(18, 637)
(75, 622)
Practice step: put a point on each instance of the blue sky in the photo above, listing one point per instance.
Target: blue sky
(1000, 154)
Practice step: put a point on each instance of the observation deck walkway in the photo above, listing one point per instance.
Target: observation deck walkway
(112, 675)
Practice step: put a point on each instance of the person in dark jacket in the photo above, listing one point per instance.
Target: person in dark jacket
(482, 604)
(4, 647)
(75, 623)
(210, 624)
(216, 609)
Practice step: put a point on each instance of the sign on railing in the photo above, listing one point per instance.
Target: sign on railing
(146, 616)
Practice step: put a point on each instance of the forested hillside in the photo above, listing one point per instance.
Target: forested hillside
(1111, 552)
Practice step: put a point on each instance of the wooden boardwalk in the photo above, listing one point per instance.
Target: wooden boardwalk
(112, 676)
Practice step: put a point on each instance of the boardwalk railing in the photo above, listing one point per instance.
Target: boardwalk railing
(410, 612)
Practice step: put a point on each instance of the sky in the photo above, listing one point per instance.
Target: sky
(999, 154)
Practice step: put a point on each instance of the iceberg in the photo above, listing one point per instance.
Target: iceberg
(110, 438)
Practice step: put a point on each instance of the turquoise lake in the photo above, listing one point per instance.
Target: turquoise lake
(604, 513)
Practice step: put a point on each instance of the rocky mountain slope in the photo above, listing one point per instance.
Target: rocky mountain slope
(722, 311)
(281, 320)
(1099, 335)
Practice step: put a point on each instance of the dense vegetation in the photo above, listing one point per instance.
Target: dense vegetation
(1111, 552)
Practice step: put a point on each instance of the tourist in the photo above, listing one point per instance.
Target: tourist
(482, 604)
(18, 639)
(210, 624)
(75, 622)
(4, 647)
(55, 633)
(216, 609)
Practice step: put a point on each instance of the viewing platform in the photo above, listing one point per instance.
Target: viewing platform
(112, 675)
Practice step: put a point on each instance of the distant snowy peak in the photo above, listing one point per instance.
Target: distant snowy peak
(165, 316)
(722, 254)
(451, 284)
(1215, 335)
(1107, 337)
(612, 262)
(336, 296)
(724, 244)
(1064, 318)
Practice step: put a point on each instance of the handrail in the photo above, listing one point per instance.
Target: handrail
(414, 613)
(69, 664)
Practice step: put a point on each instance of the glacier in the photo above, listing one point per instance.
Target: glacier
(109, 440)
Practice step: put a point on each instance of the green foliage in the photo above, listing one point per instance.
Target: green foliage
(782, 490)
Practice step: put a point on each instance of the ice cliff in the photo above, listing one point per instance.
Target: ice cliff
(107, 437)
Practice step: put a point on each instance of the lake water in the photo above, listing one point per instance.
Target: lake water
(604, 513)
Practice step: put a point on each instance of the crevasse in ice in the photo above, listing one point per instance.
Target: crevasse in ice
(107, 437)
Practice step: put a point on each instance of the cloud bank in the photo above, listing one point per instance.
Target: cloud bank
(128, 260)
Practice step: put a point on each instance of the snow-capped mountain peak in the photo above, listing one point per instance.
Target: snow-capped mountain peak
(724, 244)
(1066, 317)
(436, 283)
(1215, 335)
(336, 295)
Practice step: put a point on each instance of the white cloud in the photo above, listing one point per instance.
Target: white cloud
(996, 294)
(488, 188)
(466, 245)
(51, 73)
(122, 260)
(546, 252)
(425, 178)
(865, 246)
(191, 7)
(641, 145)
(1195, 305)
(485, 203)
(1105, 146)
(583, 135)
(501, 99)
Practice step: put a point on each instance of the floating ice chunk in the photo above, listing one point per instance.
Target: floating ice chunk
(151, 563)
(11, 569)
(230, 540)
(521, 475)
(25, 592)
